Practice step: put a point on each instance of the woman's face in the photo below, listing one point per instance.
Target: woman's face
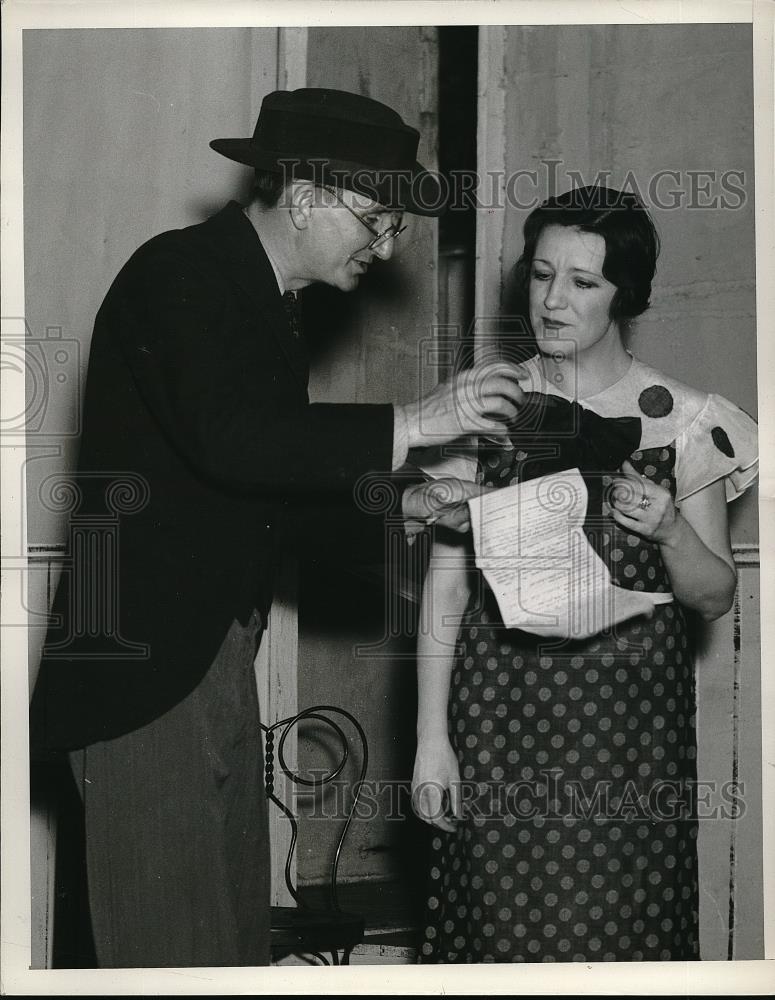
(569, 297)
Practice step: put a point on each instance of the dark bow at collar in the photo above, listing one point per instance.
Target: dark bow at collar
(551, 434)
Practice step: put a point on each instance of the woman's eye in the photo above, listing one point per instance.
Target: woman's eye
(541, 275)
(580, 283)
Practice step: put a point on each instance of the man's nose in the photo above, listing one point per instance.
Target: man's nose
(384, 251)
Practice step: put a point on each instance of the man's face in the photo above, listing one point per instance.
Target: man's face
(343, 226)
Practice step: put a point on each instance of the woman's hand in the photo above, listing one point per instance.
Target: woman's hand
(694, 544)
(436, 795)
(643, 507)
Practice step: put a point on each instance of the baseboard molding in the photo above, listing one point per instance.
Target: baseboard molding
(364, 954)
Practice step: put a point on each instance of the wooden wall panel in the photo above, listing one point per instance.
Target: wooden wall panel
(369, 346)
(116, 130)
(729, 771)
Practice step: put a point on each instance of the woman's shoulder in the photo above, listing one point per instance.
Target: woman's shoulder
(714, 438)
(662, 401)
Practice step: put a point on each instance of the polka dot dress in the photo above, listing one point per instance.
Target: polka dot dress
(578, 760)
(579, 843)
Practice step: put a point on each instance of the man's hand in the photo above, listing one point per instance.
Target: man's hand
(481, 400)
(441, 501)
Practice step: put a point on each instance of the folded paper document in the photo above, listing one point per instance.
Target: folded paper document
(530, 544)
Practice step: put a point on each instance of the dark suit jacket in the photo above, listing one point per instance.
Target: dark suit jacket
(197, 394)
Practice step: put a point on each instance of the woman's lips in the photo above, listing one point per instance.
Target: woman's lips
(552, 324)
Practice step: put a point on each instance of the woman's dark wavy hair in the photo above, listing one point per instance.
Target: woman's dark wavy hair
(631, 242)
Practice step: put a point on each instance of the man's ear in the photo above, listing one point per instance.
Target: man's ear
(302, 203)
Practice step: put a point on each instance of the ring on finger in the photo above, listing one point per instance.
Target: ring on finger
(644, 502)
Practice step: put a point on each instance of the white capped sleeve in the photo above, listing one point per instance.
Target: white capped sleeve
(720, 443)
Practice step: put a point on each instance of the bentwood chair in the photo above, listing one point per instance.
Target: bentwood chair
(303, 929)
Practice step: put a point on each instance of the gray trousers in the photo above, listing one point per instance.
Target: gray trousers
(177, 842)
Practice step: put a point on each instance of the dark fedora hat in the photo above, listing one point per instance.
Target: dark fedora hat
(335, 137)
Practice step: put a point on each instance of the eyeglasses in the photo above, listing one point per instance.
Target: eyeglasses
(379, 239)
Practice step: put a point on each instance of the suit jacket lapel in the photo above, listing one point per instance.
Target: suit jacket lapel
(236, 240)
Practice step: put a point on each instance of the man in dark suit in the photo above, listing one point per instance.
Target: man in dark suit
(199, 436)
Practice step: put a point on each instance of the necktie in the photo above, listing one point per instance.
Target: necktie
(292, 304)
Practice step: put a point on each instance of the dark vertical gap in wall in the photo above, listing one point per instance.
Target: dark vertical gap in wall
(404, 903)
(736, 635)
(53, 790)
(458, 77)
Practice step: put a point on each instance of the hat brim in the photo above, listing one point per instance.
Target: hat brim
(414, 190)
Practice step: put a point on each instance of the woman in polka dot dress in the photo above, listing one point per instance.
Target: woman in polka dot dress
(559, 773)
